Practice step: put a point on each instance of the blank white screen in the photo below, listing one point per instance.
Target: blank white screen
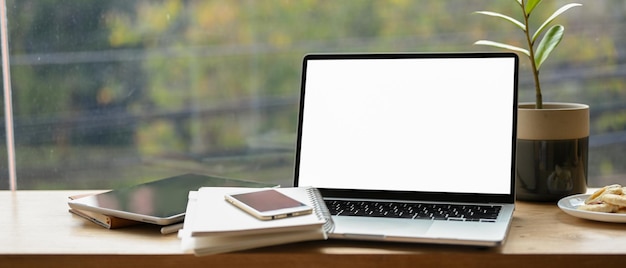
(434, 125)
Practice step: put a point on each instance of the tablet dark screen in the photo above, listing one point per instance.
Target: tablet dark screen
(163, 198)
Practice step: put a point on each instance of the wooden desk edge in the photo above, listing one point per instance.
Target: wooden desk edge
(274, 260)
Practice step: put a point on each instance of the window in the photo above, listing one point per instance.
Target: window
(110, 93)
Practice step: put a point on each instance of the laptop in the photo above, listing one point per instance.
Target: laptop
(412, 147)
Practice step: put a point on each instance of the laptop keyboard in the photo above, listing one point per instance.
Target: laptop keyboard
(426, 211)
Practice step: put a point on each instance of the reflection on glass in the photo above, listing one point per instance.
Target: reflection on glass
(107, 92)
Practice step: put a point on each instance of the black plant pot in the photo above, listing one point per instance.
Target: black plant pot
(552, 151)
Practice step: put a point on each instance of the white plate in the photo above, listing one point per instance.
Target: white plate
(570, 203)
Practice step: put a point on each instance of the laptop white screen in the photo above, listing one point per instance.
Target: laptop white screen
(410, 124)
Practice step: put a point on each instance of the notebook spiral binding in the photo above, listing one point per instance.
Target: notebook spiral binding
(321, 211)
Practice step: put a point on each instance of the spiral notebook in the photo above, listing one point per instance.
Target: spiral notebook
(212, 225)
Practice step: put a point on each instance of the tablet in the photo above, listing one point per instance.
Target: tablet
(160, 202)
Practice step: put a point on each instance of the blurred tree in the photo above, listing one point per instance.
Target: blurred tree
(211, 77)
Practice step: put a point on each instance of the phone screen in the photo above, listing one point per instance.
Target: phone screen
(267, 200)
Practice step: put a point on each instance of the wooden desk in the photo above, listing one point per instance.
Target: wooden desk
(36, 229)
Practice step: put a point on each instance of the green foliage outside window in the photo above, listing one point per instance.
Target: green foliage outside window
(109, 92)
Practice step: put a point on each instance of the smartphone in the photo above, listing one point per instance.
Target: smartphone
(268, 204)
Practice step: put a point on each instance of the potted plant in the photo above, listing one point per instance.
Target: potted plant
(552, 138)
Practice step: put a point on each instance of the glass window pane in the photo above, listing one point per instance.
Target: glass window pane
(109, 93)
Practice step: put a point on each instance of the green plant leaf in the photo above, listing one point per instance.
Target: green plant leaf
(502, 16)
(530, 6)
(502, 45)
(551, 18)
(550, 40)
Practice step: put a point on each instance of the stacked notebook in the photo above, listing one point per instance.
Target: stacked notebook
(212, 225)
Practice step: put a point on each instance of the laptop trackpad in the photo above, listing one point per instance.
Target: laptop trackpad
(369, 226)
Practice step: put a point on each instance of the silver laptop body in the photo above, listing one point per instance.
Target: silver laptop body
(417, 128)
